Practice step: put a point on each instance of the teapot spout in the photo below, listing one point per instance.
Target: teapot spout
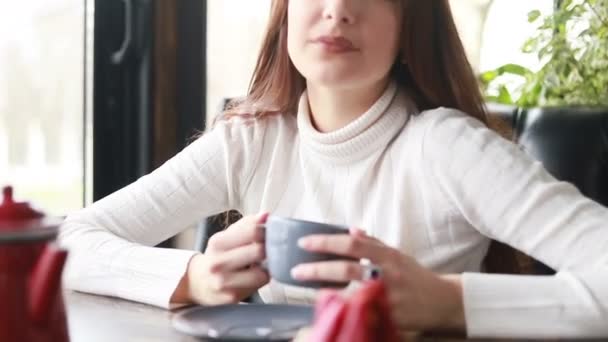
(45, 281)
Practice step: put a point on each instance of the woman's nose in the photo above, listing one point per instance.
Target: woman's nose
(340, 11)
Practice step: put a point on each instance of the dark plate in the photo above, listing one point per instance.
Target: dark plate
(244, 322)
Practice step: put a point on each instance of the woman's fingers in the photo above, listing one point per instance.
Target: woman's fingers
(249, 279)
(336, 271)
(358, 233)
(354, 246)
(246, 230)
(237, 258)
(234, 287)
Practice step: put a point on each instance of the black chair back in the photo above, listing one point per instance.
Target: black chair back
(572, 144)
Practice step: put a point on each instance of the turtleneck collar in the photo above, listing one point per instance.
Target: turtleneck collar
(368, 133)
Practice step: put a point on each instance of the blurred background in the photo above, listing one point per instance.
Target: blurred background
(41, 100)
(94, 94)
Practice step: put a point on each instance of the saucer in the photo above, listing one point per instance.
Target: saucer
(244, 322)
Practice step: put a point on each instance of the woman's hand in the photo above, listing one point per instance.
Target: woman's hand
(420, 300)
(229, 271)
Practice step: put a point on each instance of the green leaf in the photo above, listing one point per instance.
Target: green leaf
(533, 15)
(530, 45)
(489, 76)
(573, 67)
(514, 69)
(504, 96)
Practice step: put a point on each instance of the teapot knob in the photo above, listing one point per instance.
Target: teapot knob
(7, 194)
(16, 212)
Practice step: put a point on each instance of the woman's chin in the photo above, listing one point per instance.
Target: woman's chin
(332, 79)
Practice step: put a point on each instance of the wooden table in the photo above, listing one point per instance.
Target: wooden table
(100, 319)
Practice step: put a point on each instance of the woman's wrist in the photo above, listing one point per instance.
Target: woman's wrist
(181, 295)
(453, 315)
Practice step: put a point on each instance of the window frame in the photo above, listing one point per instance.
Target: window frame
(148, 105)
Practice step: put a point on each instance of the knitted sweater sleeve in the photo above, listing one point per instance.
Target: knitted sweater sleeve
(511, 198)
(111, 242)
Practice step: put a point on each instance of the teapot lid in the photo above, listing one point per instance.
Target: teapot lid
(15, 211)
(19, 221)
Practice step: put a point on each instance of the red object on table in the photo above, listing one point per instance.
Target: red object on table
(31, 300)
(362, 317)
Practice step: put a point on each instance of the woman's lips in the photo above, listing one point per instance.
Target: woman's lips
(335, 44)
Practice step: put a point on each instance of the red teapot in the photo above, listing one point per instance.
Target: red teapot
(31, 264)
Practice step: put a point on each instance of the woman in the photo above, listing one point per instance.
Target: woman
(363, 113)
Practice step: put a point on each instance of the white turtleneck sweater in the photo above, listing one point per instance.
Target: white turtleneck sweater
(436, 185)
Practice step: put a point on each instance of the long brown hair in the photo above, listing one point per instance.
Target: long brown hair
(436, 71)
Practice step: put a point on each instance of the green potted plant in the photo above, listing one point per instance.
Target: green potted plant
(572, 46)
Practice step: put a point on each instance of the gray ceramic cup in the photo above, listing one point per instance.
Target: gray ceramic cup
(283, 252)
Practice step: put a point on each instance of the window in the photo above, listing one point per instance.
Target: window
(470, 17)
(505, 31)
(493, 31)
(235, 29)
(41, 101)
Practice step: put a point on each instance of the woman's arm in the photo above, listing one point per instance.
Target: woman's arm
(511, 198)
(111, 242)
